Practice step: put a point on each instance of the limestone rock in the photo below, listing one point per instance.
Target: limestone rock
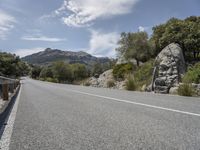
(169, 67)
(104, 78)
(173, 90)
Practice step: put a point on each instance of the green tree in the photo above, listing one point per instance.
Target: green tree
(79, 71)
(35, 72)
(12, 66)
(184, 32)
(62, 71)
(134, 46)
(97, 69)
(46, 72)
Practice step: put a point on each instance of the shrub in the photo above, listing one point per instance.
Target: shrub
(86, 83)
(120, 71)
(51, 80)
(110, 83)
(131, 84)
(143, 75)
(193, 74)
(186, 89)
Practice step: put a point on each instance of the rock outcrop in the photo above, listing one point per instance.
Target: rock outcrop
(103, 80)
(169, 67)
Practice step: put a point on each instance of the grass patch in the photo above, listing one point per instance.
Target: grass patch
(193, 74)
(186, 89)
(131, 84)
(143, 74)
(87, 83)
(110, 83)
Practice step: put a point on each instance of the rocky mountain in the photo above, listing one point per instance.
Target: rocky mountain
(51, 55)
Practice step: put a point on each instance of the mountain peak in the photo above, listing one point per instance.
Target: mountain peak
(48, 49)
(51, 55)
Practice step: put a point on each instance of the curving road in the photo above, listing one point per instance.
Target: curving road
(65, 117)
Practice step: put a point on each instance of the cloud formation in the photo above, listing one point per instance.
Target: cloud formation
(26, 52)
(6, 24)
(84, 12)
(103, 44)
(42, 38)
(142, 28)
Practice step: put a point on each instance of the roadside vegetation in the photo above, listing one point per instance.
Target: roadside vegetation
(143, 49)
(193, 74)
(12, 66)
(60, 72)
(131, 84)
(110, 83)
(120, 71)
(186, 89)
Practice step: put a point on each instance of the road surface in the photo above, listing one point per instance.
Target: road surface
(66, 117)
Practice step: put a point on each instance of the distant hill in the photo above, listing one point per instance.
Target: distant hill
(51, 55)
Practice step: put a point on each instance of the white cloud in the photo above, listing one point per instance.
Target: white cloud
(6, 24)
(84, 12)
(103, 44)
(42, 38)
(142, 28)
(25, 52)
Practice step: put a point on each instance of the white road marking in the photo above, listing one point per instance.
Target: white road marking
(6, 137)
(136, 103)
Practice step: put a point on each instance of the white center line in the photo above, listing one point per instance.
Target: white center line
(136, 103)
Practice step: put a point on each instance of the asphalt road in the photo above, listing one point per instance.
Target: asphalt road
(66, 117)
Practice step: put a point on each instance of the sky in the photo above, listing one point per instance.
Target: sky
(93, 26)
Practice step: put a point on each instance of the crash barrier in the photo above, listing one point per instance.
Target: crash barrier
(8, 87)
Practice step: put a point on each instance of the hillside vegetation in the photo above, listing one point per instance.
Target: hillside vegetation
(12, 66)
(138, 46)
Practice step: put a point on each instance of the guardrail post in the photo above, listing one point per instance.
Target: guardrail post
(5, 91)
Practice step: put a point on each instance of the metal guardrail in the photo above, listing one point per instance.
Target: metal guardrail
(8, 86)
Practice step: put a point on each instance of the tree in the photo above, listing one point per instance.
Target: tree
(35, 72)
(62, 71)
(134, 46)
(184, 32)
(46, 72)
(79, 71)
(12, 66)
(97, 69)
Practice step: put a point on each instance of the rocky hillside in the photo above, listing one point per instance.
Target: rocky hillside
(51, 55)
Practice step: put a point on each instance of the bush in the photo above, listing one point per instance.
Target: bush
(193, 74)
(186, 89)
(110, 83)
(51, 80)
(120, 71)
(86, 83)
(131, 84)
(143, 75)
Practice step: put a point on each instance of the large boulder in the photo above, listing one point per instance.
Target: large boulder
(169, 67)
(104, 78)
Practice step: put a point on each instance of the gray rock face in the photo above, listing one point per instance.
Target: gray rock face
(173, 90)
(104, 78)
(169, 67)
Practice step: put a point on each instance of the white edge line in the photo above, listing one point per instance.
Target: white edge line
(136, 103)
(7, 133)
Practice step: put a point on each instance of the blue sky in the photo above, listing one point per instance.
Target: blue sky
(94, 26)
